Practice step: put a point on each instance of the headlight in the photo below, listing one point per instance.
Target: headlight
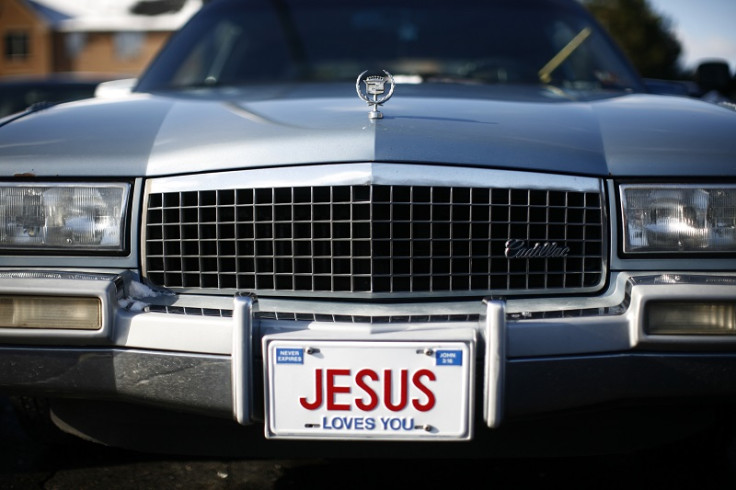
(690, 318)
(57, 312)
(682, 218)
(63, 216)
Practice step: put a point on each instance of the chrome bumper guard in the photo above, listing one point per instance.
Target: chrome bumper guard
(493, 332)
(242, 359)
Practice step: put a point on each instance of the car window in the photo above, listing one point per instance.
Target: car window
(522, 41)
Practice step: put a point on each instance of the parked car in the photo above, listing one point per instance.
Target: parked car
(715, 82)
(340, 228)
(19, 93)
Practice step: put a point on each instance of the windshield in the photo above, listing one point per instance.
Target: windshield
(241, 42)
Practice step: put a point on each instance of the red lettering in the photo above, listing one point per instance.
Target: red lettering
(360, 381)
(329, 391)
(417, 381)
(333, 389)
(388, 389)
(318, 390)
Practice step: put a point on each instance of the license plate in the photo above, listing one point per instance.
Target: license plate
(369, 390)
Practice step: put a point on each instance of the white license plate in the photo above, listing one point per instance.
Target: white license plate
(369, 390)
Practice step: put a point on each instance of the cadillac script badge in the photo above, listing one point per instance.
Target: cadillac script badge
(374, 92)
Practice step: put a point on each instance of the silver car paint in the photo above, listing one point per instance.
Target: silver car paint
(628, 135)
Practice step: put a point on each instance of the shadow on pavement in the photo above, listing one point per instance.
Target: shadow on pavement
(27, 464)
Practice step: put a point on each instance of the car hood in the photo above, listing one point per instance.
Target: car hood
(515, 128)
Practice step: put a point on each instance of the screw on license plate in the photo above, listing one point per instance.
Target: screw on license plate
(311, 426)
(312, 350)
(427, 351)
(425, 427)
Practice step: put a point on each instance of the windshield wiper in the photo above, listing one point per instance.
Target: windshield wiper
(545, 74)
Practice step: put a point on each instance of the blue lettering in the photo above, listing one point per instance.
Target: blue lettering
(368, 423)
(395, 423)
(289, 356)
(348, 423)
(449, 358)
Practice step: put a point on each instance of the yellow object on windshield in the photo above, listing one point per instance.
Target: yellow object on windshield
(545, 74)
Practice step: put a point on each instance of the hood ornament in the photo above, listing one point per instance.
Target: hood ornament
(374, 92)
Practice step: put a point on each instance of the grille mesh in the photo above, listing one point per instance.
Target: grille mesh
(372, 239)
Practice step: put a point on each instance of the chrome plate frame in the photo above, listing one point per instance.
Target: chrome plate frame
(352, 403)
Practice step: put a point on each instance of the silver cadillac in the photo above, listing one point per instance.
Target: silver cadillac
(342, 227)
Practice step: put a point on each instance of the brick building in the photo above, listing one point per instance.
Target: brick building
(114, 37)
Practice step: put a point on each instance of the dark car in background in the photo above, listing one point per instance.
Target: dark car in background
(715, 81)
(18, 93)
(338, 227)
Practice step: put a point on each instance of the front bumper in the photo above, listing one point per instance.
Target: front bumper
(532, 357)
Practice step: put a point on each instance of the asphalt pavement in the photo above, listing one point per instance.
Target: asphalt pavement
(28, 464)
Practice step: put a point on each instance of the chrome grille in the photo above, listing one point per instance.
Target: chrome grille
(373, 240)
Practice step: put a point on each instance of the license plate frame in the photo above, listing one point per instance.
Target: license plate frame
(337, 389)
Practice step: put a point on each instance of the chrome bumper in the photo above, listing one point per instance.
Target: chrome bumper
(534, 356)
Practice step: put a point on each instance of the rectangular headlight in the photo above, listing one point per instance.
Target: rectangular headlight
(678, 218)
(63, 216)
(55, 312)
(690, 318)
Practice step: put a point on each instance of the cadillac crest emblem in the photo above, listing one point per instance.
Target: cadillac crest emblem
(374, 92)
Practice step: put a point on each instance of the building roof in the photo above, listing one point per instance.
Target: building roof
(115, 15)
